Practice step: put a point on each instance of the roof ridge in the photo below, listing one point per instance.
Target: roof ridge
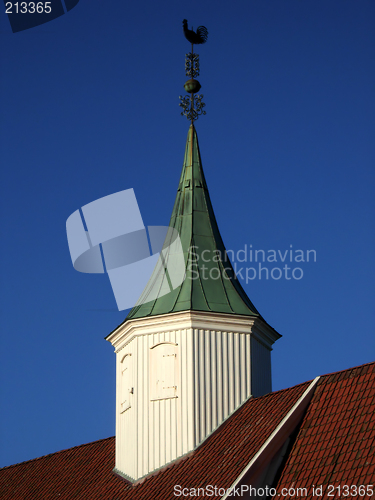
(57, 452)
(348, 369)
(284, 389)
(326, 375)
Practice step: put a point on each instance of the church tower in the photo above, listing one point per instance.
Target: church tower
(187, 359)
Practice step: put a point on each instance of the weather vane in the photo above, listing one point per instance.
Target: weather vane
(192, 105)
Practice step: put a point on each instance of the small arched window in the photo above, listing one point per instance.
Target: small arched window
(126, 383)
(163, 371)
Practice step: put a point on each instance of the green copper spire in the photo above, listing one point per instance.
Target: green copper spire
(210, 283)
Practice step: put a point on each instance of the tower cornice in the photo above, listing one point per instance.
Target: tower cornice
(201, 320)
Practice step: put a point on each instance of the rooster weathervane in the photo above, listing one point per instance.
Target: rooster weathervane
(192, 105)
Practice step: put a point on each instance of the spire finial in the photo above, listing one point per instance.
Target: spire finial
(193, 105)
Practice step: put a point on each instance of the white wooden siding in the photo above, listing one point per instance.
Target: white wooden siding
(207, 374)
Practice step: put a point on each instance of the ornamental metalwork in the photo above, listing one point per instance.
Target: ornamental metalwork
(192, 65)
(192, 105)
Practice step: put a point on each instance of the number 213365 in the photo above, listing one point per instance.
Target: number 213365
(28, 7)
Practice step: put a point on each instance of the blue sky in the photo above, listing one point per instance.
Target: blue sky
(89, 107)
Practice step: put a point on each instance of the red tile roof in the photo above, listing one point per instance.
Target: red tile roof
(85, 472)
(336, 441)
(335, 445)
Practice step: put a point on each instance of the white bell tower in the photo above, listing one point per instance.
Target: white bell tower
(178, 377)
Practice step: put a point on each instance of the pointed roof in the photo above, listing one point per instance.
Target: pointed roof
(210, 283)
(333, 444)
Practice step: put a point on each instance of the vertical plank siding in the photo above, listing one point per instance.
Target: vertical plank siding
(217, 372)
